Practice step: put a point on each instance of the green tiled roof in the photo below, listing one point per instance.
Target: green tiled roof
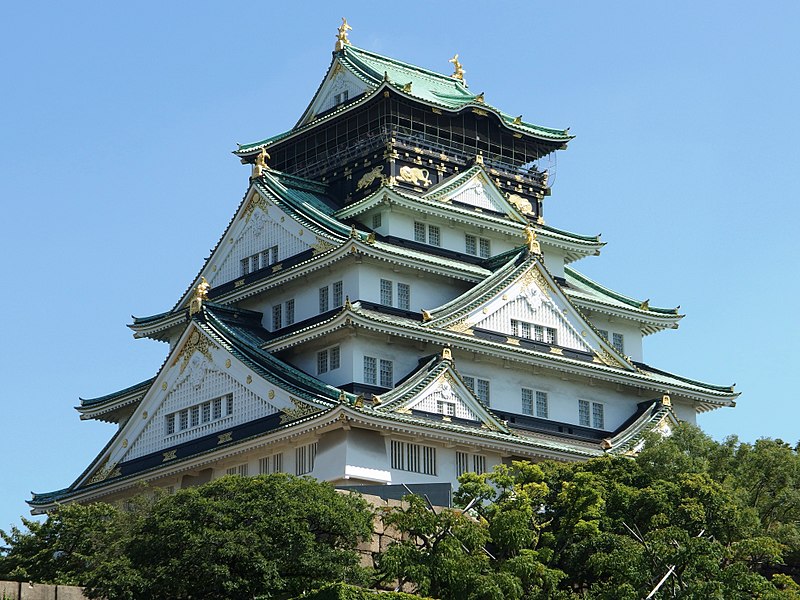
(108, 398)
(427, 86)
(594, 290)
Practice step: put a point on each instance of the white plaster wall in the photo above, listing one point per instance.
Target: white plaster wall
(427, 290)
(685, 412)
(305, 358)
(554, 260)
(630, 330)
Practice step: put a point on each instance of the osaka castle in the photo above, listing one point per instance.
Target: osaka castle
(387, 305)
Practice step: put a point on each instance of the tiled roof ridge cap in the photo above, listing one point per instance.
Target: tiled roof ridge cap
(616, 295)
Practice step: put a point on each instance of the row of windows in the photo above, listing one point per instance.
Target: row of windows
(267, 465)
(283, 314)
(378, 372)
(331, 296)
(463, 463)
(413, 457)
(531, 331)
(591, 414)
(427, 234)
(477, 246)
(328, 360)
(304, 457)
(535, 403)
(258, 261)
(403, 294)
(617, 340)
(206, 412)
(479, 387)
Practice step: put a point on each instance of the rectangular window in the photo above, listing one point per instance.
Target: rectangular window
(387, 373)
(527, 401)
(231, 471)
(216, 406)
(618, 341)
(583, 413)
(245, 266)
(324, 301)
(484, 250)
(276, 317)
(289, 306)
(264, 466)
(277, 463)
(229, 404)
(338, 299)
(598, 421)
(254, 263)
(413, 457)
(184, 419)
(542, 407)
(205, 410)
(334, 358)
(479, 464)
(552, 337)
(434, 235)
(479, 387)
(603, 333)
(482, 390)
(419, 232)
(538, 333)
(195, 416)
(304, 458)
(471, 243)
(446, 408)
(273, 255)
(370, 370)
(462, 463)
(404, 296)
(376, 220)
(386, 292)
(243, 470)
(322, 362)
(170, 424)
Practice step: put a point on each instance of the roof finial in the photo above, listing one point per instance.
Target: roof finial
(200, 294)
(260, 164)
(458, 70)
(341, 36)
(531, 241)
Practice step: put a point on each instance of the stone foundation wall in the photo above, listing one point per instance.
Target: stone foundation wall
(16, 590)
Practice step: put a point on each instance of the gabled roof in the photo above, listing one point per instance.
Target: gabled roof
(105, 407)
(435, 89)
(438, 379)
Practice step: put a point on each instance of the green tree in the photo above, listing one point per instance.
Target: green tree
(237, 537)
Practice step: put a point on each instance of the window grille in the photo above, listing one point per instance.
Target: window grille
(583, 413)
(618, 341)
(462, 463)
(386, 292)
(413, 457)
(482, 390)
(471, 244)
(276, 317)
(542, 407)
(404, 296)
(387, 373)
(434, 235)
(446, 408)
(485, 250)
(598, 420)
(323, 299)
(290, 311)
(338, 299)
(322, 362)
(479, 464)
(419, 232)
(376, 220)
(527, 401)
(195, 416)
(370, 370)
(335, 356)
(271, 464)
(304, 458)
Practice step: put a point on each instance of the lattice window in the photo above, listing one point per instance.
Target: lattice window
(322, 362)
(484, 248)
(419, 232)
(583, 413)
(324, 299)
(446, 408)
(598, 417)
(462, 463)
(335, 358)
(268, 465)
(427, 234)
(289, 306)
(413, 457)
(542, 405)
(386, 292)
(477, 246)
(338, 298)
(479, 464)
(404, 296)
(387, 373)
(370, 370)
(618, 341)
(471, 244)
(480, 387)
(527, 401)
(376, 220)
(276, 317)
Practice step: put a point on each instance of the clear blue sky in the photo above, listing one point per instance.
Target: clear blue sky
(116, 176)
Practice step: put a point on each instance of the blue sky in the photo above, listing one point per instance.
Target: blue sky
(116, 176)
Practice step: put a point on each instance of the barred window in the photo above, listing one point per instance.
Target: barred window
(462, 463)
(434, 235)
(419, 232)
(482, 390)
(322, 362)
(276, 317)
(618, 341)
(484, 250)
(446, 408)
(304, 458)
(598, 420)
(477, 246)
(603, 333)
(527, 401)
(194, 414)
(370, 370)
(171, 424)
(386, 292)
(324, 301)
(271, 464)
(290, 311)
(471, 244)
(479, 464)
(338, 300)
(376, 220)
(413, 457)
(387, 373)
(184, 419)
(334, 358)
(216, 408)
(583, 413)
(542, 407)
(404, 296)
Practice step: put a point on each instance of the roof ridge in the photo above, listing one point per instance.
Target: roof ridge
(633, 302)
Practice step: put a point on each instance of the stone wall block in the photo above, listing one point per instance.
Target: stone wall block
(9, 589)
(37, 591)
(68, 592)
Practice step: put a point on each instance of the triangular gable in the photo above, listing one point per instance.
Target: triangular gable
(339, 80)
(439, 390)
(474, 187)
(527, 303)
(199, 375)
(262, 228)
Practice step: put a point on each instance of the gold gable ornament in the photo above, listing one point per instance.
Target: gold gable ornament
(531, 241)
(260, 164)
(341, 36)
(458, 70)
(200, 294)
